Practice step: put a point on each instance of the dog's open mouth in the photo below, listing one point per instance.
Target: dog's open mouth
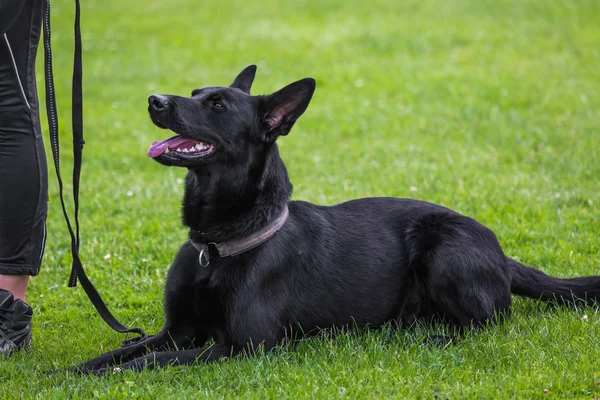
(180, 147)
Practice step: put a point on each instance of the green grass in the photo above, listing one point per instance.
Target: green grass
(489, 107)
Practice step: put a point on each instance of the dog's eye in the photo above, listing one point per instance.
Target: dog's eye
(216, 104)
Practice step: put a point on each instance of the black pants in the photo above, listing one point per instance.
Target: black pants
(23, 168)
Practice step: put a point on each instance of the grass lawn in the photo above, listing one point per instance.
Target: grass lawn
(489, 107)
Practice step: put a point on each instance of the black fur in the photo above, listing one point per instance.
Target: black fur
(360, 263)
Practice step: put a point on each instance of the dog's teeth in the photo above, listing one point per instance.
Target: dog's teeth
(179, 149)
(199, 147)
(185, 150)
(167, 150)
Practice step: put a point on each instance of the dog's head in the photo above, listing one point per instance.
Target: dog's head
(218, 124)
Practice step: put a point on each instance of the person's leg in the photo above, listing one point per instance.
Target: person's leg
(23, 169)
(16, 284)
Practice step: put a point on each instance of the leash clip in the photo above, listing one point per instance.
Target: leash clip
(204, 258)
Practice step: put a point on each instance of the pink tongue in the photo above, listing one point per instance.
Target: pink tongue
(157, 148)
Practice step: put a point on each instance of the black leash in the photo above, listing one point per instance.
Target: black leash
(77, 271)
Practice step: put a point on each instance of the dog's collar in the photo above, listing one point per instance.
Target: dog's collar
(235, 247)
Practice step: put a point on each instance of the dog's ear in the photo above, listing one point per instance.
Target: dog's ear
(245, 78)
(281, 109)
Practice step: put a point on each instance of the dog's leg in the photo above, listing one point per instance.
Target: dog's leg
(462, 270)
(162, 341)
(191, 356)
(123, 354)
(182, 357)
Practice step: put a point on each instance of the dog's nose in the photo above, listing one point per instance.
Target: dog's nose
(158, 101)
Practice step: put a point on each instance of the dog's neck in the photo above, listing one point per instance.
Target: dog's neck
(233, 203)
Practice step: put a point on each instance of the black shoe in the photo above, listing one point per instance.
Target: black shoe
(15, 323)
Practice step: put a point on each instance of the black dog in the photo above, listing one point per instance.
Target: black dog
(260, 268)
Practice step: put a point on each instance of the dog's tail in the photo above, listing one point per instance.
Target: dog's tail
(531, 282)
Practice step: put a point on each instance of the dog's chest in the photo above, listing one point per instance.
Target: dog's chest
(213, 276)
